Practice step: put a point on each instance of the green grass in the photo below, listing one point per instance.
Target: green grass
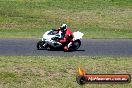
(59, 72)
(95, 18)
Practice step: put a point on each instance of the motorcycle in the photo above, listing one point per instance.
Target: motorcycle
(48, 41)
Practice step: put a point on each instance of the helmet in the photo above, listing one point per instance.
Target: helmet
(63, 27)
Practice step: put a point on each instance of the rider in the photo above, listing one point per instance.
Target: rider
(66, 36)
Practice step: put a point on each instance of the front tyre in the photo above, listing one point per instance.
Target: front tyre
(41, 45)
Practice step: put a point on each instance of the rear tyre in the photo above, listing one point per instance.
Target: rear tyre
(40, 45)
(76, 44)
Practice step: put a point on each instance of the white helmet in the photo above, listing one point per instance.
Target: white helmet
(63, 27)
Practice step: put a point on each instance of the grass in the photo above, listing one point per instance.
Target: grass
(95, 18)
(59, 72)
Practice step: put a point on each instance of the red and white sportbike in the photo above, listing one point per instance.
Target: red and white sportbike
(48, 41)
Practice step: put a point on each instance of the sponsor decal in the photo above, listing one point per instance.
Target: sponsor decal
(84, 78)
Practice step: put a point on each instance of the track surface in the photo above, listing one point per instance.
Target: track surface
(90, 47)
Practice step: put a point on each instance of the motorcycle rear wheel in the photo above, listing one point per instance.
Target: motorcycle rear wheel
(76, 44)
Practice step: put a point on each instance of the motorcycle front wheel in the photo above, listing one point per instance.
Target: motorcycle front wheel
(41, 45)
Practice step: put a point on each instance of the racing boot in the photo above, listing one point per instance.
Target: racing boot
(66, 49)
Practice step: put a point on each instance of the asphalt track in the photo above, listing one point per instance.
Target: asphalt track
(89, 47)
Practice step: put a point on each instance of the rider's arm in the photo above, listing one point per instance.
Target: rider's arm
(63, 40)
